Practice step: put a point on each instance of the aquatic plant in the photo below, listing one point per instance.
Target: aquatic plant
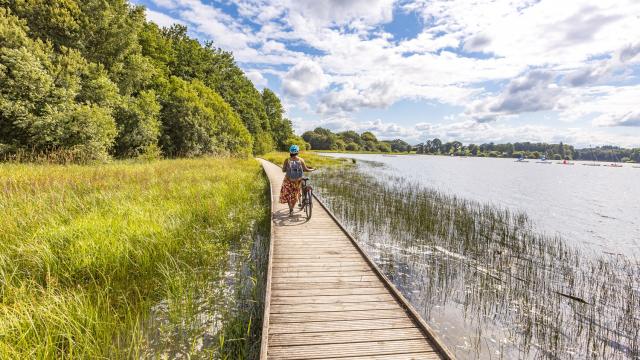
(510, 290)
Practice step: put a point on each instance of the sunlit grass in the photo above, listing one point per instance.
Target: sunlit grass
(87, 251)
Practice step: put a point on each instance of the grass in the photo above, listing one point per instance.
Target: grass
(312, 159)
(131, 259)
(539, 297)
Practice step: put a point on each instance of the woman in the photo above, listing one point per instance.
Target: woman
(294, 167)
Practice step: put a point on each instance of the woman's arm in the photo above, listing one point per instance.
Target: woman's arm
(284, 166)
(305, 167)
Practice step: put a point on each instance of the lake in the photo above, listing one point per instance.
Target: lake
(502, 259)
(594, 207)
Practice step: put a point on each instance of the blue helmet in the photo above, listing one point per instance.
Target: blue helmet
(294, 149)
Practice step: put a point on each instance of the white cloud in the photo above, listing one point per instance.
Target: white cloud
(303, 79)
(565, 57)
(256, 78)
(630, 118)
(161, 19)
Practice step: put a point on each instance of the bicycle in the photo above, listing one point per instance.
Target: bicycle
(307, 197)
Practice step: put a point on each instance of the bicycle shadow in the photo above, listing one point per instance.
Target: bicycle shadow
(282, 218)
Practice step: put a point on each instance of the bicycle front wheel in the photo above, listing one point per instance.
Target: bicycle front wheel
(309, 204)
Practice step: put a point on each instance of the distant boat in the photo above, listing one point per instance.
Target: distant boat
(590, 164)
(636, 167)
(565, 163)
(543, 160)
(614, 165)
(522, 160)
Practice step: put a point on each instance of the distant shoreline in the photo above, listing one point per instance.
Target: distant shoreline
(459, 156)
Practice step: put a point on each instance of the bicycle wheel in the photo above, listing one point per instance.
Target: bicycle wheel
(308, 206)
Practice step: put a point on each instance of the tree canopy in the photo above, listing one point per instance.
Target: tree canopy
(94, 78)
(325, 139)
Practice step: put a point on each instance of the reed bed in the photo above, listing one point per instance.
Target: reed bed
(129, 260)
(509, 290)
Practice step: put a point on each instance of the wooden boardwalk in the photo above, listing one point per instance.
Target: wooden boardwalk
(326, 300)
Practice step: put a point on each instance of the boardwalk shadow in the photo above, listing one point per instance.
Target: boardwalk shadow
(282, 218)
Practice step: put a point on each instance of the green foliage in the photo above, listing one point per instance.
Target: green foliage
(50, 100)
(529, 150)
(196, 121)
(68, 58)
(324, 139)
(281, 128)
(296, 140)
(138, 125)
(398, 145)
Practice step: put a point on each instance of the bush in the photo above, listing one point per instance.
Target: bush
(138, 125)
(296, 140)
(263, 143)
(196, 121)
(352, 147)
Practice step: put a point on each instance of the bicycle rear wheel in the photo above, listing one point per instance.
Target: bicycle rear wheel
(308, 206)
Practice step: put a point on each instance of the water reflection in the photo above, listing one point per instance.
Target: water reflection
(483, 277)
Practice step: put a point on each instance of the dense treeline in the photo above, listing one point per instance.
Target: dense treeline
(324, 139)
(93, 79)
(529, 150)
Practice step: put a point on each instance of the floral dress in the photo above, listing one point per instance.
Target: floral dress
(290, 191)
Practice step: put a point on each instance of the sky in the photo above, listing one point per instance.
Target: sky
(474, 71)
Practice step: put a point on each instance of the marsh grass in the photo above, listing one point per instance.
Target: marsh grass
(518, 293)
(86, 253)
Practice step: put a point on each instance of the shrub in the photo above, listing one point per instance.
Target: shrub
(196, 121)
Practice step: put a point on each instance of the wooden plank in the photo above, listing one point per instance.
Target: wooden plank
(327, 279)
(300, 273)
(315, 262)
(359, 349)
(337, 337)
(317, 256)
(329, 299)
(325, 285)
(396, 313)
(327, 326)
(330, 292)
(408, 356)
(320, 308)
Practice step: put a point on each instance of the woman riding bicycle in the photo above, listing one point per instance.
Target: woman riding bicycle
(294, 167)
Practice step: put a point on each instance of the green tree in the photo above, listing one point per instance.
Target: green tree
(138, 125)
(281, 127)
(51, 101)
(197, 121)
(368, 136)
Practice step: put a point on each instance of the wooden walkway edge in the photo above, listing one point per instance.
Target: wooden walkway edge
(326, 299)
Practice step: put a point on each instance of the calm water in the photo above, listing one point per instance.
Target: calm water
(594, 207)
(485, 280)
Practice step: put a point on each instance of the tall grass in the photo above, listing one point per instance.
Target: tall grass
(131, 259)
(510, 291)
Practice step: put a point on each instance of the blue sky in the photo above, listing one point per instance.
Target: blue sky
(501, 70)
